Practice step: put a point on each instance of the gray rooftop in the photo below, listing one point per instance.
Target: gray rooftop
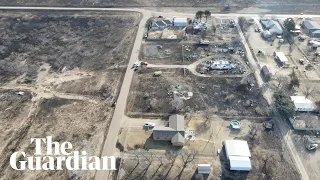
(176, 122)
(311, 25)
(175, 132)
(161, 23)
(167, 21)
(177, 138)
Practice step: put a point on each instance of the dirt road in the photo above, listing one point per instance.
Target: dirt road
(110, 142)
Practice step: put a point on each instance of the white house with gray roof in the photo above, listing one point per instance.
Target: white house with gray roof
(174, 133)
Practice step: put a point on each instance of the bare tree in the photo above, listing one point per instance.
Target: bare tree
(161, 160)
(186, 157)
(283, 81)
(308, 90)
(148, 156)
(253, 131)
(137, 159)
(208, 115)
(171, 156)
(268, 157)
(291, 48)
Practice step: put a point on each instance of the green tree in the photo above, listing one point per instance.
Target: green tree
(294, 79)
(243, 23)
(284, 104)
(207, 14)
(289, 24)
(199, 15)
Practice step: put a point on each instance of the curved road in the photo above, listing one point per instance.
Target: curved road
(110, 142)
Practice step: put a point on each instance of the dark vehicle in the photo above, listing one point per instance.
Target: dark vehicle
(114, 104)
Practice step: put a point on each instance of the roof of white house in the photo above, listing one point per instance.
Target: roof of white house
(180, 20)
(301, 102)
(311, 25)
(281, 57)
(237, 148)
(240, 163)
(204, 168)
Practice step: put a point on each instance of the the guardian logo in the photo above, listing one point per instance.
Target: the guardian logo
(57, 156)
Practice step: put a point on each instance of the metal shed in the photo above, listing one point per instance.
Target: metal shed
(204, 168)
(302, 103)
(282, 59)
(238, 153)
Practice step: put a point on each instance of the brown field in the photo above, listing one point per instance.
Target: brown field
(59, 74)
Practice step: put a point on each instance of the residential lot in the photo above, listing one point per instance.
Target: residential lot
(268, 157)
(227, 96)
(162, 52)
(310, 159)
(59, 75)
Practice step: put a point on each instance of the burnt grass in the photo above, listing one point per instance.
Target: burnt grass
(63, 40)
(229, 96)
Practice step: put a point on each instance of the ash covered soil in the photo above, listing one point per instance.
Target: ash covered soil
(59, 74)
(89, 42)
(170, 92)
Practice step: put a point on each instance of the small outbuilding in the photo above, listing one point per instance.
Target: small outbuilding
(238, 154)
(282, 59)
(204, 168)
(302, 104)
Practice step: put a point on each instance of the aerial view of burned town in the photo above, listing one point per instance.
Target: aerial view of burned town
(160, 90)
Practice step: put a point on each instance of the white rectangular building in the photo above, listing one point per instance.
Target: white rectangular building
(302, 104)
(282, 58)
(238, 154)
(180, 22)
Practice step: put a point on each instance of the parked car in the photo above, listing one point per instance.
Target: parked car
(149, 125)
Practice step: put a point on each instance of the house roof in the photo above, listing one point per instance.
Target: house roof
(239, 163)
(177, 138)
(176, 122)
(273, 26)
(167, 21)
(237, 148)
(311, 25)
(163, 128)
(316, 32)
(160, 23)
(301, 102)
